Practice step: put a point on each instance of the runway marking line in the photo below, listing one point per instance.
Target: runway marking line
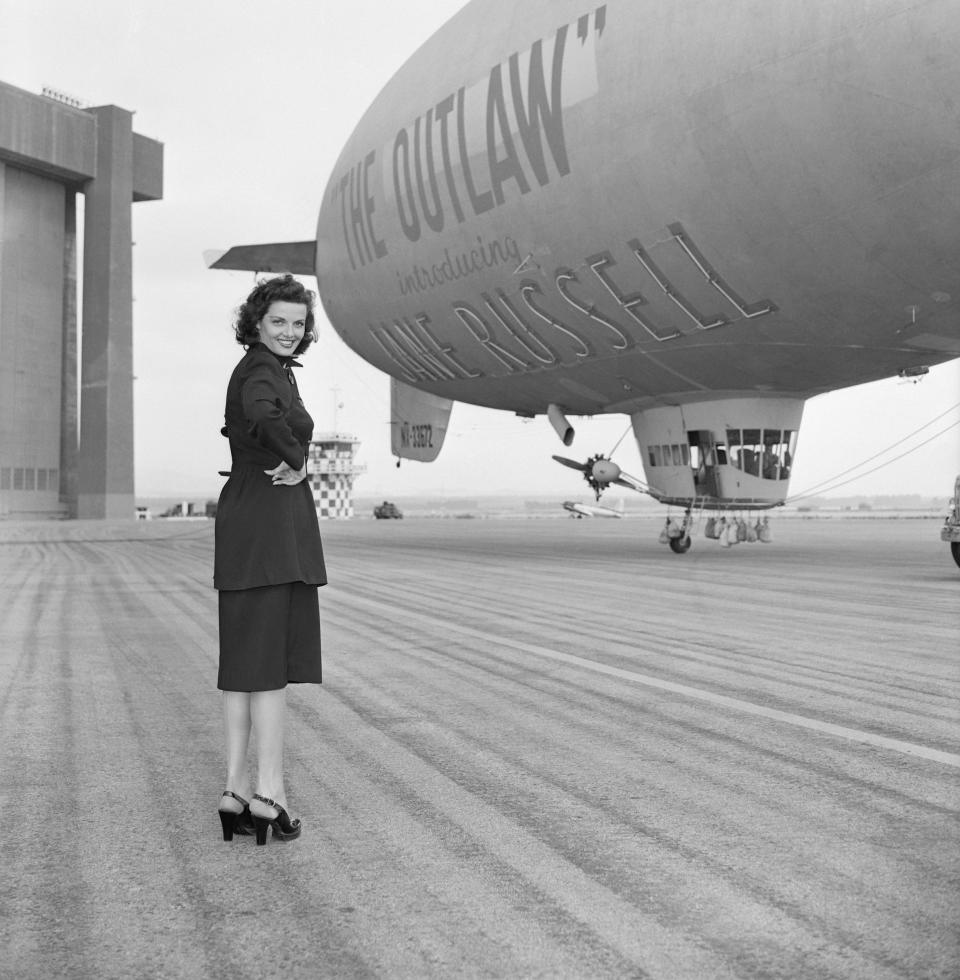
(634, 677)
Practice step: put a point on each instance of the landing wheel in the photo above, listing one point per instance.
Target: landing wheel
(682, 544)
(955, 548)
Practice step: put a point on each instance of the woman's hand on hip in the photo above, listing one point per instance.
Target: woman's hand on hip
(285, 475)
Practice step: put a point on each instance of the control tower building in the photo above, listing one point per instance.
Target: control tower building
(333, 470)
(64, 454)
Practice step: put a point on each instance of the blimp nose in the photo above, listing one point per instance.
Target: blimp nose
(605, 471)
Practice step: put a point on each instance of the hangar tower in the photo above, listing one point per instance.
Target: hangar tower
(62, 455)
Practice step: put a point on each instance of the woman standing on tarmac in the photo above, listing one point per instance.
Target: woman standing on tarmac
(268, 560)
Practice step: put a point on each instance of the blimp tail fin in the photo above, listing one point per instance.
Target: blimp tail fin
(418, 422)
(298, 258)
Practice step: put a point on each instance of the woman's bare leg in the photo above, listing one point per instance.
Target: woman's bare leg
(268, 713)
(237, 721)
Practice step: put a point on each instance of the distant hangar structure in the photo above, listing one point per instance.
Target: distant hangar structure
(66, 448)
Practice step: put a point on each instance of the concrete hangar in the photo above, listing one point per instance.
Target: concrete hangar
(64, 454)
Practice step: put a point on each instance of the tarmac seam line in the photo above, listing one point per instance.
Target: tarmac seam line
(747, 707)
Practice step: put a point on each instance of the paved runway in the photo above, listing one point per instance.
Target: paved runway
(542, 749)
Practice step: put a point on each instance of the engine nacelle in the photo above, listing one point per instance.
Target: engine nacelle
(605, 471)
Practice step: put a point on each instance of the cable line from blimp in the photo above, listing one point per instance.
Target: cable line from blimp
(828, 485)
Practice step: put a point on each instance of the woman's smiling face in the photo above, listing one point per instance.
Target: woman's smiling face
(282, 327)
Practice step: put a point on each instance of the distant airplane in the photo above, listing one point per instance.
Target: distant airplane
(590, 510)
(698, 215)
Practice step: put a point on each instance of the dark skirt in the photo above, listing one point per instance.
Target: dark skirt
(269, 637)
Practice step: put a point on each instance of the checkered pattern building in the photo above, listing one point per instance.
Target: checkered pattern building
(332, 471)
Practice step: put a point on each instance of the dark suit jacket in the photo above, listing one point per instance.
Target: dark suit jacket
(266, 419)
(266, 534)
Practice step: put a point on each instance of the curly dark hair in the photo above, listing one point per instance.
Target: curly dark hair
(283, 289)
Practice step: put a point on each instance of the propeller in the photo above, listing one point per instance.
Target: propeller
(572, 463)
(598, 471)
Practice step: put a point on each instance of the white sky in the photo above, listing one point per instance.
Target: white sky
(253, 103)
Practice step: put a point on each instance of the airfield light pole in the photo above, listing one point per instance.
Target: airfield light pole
(337, 404)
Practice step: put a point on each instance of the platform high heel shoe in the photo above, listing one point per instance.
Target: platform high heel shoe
(235, 823)
(283, 827)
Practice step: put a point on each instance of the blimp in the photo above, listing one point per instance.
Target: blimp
(697, 215)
